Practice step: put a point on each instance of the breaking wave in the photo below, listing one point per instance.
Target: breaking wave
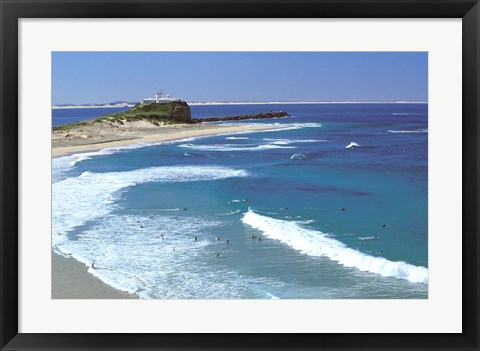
(409, 131)
(352, 145)
(315, 243)
(75, 201)
(233, 147)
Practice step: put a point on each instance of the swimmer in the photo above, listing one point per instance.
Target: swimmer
(93, 265)
(217, 238)
(343, 209)
(228, 242)
(161, 235)
(195, 238)
(174, 249)
(384, 226)
(141, 226)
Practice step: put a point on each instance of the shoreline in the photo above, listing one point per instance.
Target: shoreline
(70, 277)
(71, 280)
(162, 135)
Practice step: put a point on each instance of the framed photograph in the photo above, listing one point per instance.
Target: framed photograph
(239, 175)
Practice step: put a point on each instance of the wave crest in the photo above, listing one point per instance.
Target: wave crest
(75, 201)
(316, 243)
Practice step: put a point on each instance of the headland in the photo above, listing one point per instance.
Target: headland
(146, 123)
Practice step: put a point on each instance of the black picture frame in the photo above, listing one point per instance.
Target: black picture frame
(13, 10)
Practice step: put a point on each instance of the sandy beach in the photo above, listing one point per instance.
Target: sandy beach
(90, 138)
(70, 280)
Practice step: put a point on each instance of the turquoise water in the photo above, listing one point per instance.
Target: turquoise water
(333, 222)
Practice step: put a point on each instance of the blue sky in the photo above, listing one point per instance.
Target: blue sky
(100, 77)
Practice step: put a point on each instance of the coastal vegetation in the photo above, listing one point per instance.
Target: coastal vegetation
(175, 112)
(156, 113)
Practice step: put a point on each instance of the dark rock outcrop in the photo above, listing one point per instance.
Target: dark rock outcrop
(276, 114)
(178, 111)
(181, 112)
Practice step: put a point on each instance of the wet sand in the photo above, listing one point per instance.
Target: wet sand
(71, 280)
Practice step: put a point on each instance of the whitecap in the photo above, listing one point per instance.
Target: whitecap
(299, 157)
(409, 131)
(233, 147)
(352, 145)
(77, 200)
(291, 141)
(316, 243)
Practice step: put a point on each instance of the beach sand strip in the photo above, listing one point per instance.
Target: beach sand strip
(71, 280)
(164, 134)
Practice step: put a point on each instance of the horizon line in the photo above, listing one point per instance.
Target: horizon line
(99, 105)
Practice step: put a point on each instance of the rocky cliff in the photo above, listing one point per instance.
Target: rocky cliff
(175, 111)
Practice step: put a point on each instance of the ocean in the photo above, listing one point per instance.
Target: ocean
(331, 203)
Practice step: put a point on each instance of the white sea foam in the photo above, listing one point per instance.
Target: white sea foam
(409, 114)
(237, 138)
(291, 141)
(299, 157)
(232, 212)
(289, 126)
(409, 131)
(352, 145)
(139, 260)
(316, 243)
(75, 201)
(272, 297)
(61, 165)
(233, 147)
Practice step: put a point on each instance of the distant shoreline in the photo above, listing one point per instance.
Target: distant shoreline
(56, 107)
